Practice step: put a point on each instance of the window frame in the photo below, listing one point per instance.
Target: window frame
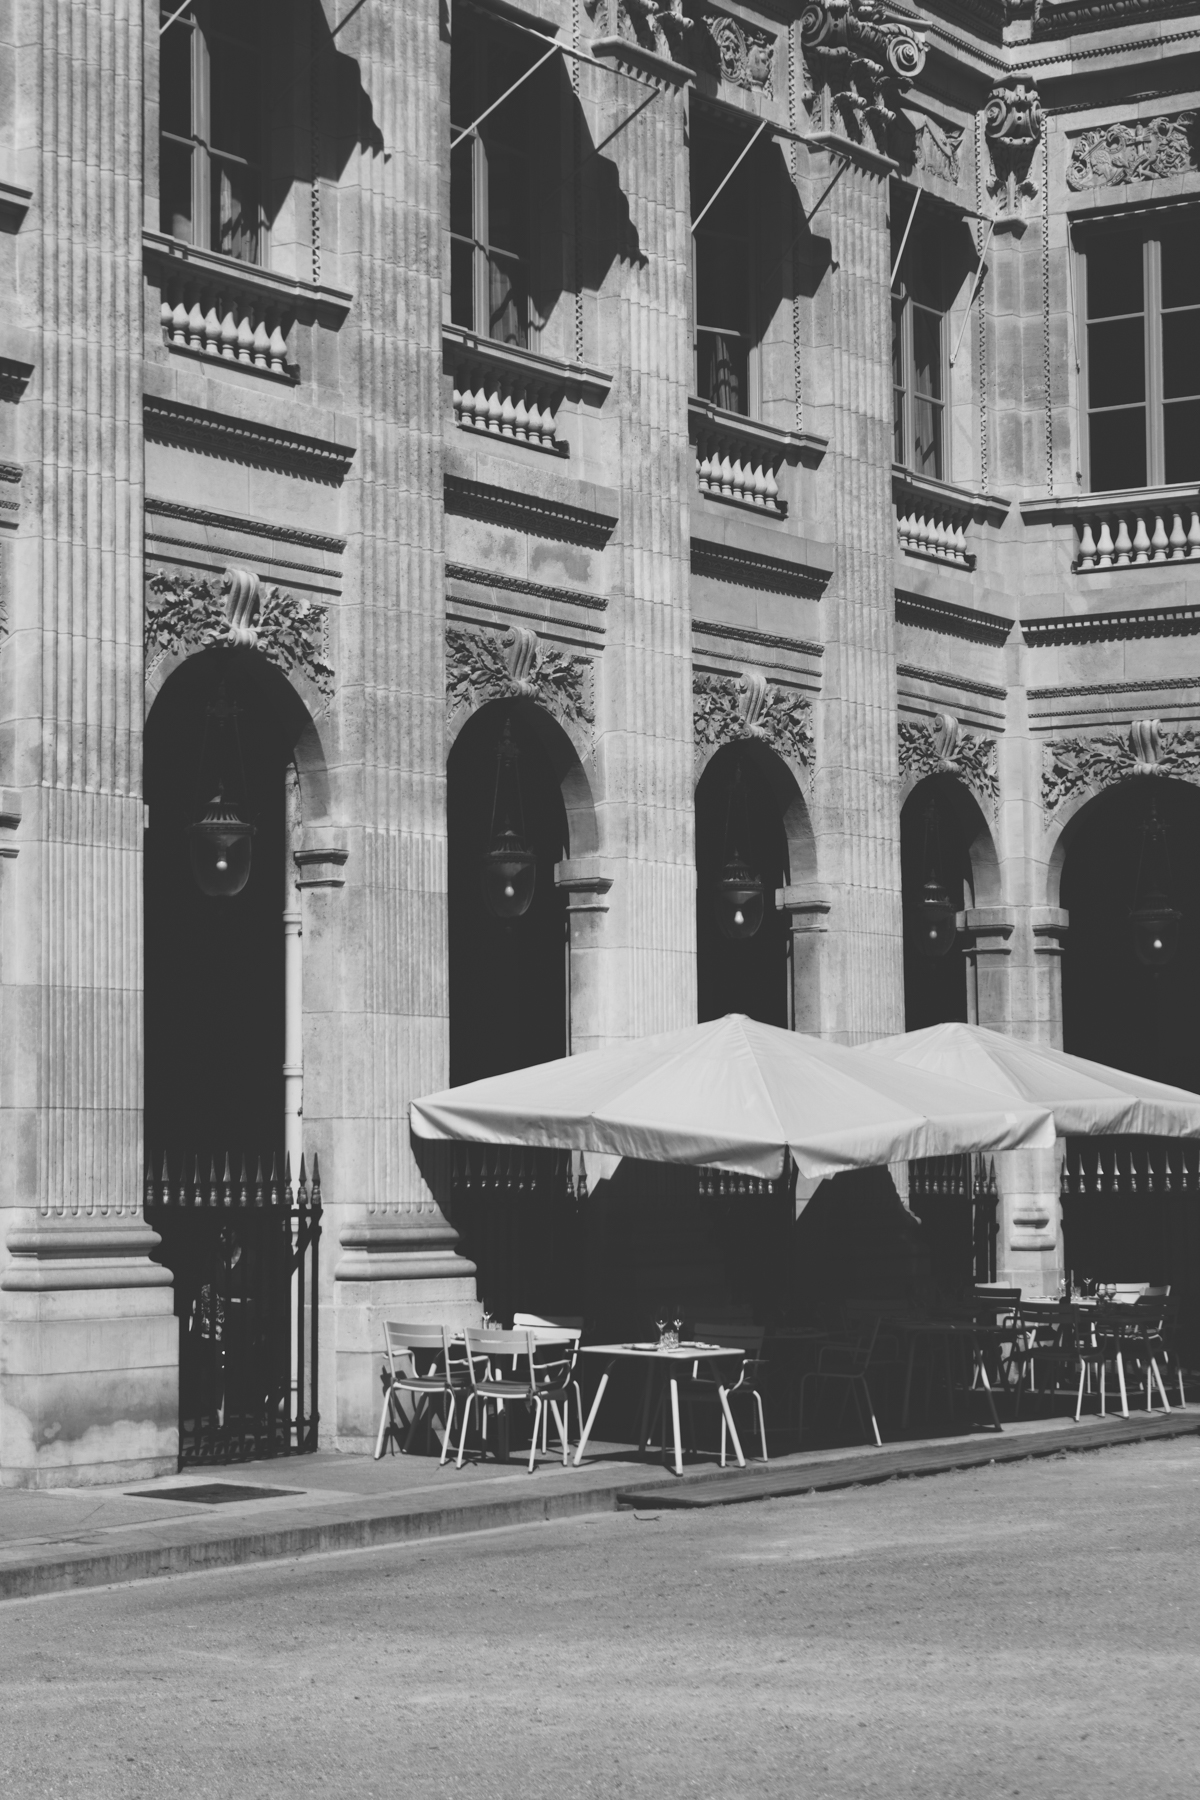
(1152, 224)
(197, 21)
(901, 296)
(480, 29)
(712, 119)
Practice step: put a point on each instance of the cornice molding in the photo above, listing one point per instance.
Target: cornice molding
(1112, 627)
(943, 678)
(245, 441)
(1072, 18)
(748, 568)
(765, 640)
(280, 534)
(951, 620)
(531, 513)
(516, 584)
(1164, 685)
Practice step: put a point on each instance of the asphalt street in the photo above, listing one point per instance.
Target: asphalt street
(1027, 1630)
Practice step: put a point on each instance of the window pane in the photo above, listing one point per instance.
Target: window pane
(508, 202)
(508, 307)
(722, 370)
(234, 229)
(927, 438)
(234, 99)
(923, 268)
(927, 352)
(175, 79)
(898, 380)
(235, 18)
(1118, 447)
(1181, 353)
(462, 190)
(1181, 264)
(462, 292)
(1181, 440)
(175, 190)
(1116, 363)
(898, 425)
(722, 283)
(1114, 274)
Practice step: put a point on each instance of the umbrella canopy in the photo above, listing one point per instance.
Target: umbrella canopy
(734, 1094)
(1086, 1098)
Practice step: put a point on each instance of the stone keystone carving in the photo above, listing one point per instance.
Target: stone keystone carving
(730, 708)
(1136, 150)
(185, 613)
(944, 748)
(863, 60)
(1081, 765)
(1013, 124)
(488, 665)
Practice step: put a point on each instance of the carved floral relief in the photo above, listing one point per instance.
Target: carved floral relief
(515, 664)
(942, 747)
(186, 613)
(698, 36)
(727, 709)
(1134, 150)
(1077, 765)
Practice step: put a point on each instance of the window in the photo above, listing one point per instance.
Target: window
(491, 222)
(919, 354)
(723, 268)
(1142, 319)
(210, 127)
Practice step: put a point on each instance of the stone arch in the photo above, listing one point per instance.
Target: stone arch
(974, 825)
(570, 759)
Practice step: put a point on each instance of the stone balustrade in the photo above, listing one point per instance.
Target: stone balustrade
(1147, 531)
(937, 534)
(741, 460)
(211, 317)
(512, 393)
(934, 519)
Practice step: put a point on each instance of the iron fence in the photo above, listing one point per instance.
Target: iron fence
(955, 1198)
(244, 1256)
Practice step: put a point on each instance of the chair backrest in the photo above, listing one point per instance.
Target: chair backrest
(561, 1322)
(402, 1338)
(733, 1337)
(485, 1345)
(1125, 1293)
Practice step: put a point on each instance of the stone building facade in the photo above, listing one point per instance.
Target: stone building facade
(782, 419)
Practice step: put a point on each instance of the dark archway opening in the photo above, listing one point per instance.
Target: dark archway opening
(1116, 1010)
(214, 966)
(515, 1212)
(736, 812)
(934, 838)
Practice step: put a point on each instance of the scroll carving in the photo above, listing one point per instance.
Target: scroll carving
(186, 613)
(1013, 124)
(488, 665)
(1136, 150)
(1076, 765)
(692, 34)
(861, 63)
(944, 748)
(729, 708)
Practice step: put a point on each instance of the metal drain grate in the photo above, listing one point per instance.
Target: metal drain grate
(213, 1493)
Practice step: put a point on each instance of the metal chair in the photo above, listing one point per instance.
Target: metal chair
(846, 1364)
(445, 1378)
(711, 1390)
(483, 1349)
(548, 1331)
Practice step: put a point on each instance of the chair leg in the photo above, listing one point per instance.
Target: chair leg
(1079, 1397)
(762, 1429)
(466, 1419)
(1121, 1385)
(1162, 1390)
(724, 1439)
(383, 1424)
(870, 1408)
(419, 1406)
(538, 1416)
(449, 1426)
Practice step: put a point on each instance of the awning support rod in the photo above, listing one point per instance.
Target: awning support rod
(912, 213)
(763, 126)
(974, 292)
(470, 130)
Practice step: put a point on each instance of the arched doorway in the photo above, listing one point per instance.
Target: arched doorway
(936, 832)
(739, 821)
(1136, 1015)
(511, 767)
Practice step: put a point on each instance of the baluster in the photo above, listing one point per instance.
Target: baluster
(1193, 536)
(508, 416)
(726, 476)
(521, 419)
(1141, 542)
(960, 545)
(1104, 546)
(759, 485)
(1123, 545)
(245, 337)
(277, 350)
(166, 312)
(261, 344)
(229, 331)
(495, 408)
(1087, 546)
(1178, 538)
(212, 329)
(194, 329)
(1159, 542)
(771, 494)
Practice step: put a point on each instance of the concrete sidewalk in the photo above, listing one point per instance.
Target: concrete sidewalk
(66, 1538)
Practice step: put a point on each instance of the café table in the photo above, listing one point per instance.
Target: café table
(665, 1360)
(950, 1334)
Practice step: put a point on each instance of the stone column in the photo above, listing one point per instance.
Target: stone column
(807, 906)
(376, 970)
(88, 1342)
(856, 811)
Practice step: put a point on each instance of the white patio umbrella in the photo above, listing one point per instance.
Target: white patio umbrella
(734, 1094)
(1086, 1098)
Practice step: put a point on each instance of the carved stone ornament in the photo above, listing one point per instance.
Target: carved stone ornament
(920, 142)
(727, 709)
(944, 748)
(186, 613)
(690, 33)
(861, 62)
(1013, 124)
(489, 665)
(1083, 765)
(1140, 150)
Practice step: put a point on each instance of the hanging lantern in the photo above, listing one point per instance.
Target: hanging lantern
(509, 870)
(739, 891)
(1155, 921)
(936, 913)
(219, 845)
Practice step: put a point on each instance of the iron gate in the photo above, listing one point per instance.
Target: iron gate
(243, 1254)
(955, 1198)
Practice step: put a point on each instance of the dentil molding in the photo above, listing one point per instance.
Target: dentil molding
(942, 747)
